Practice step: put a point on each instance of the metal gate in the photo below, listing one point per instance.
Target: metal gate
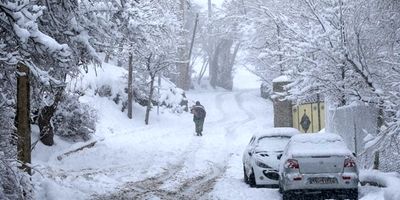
(309, 118)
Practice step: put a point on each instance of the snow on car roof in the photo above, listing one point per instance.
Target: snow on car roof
(317, 144)
(280, 131)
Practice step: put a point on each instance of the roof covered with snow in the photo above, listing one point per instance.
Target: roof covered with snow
(282, 78)
(317, 144)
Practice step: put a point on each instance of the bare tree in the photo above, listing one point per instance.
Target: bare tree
(154, 65)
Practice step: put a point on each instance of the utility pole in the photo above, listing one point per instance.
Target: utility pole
(193, 37)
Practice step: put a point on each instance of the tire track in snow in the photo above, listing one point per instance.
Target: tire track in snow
(230, 129)
(197, 187)
(207, 185)
(151, 187)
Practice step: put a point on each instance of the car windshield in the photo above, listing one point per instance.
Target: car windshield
(275, 143)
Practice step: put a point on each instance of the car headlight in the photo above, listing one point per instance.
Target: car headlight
(261, 164)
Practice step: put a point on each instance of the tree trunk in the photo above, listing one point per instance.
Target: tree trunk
(226, 60)
(213, 66)
(120, 61)
(148, 109)
(183, 65)
(130, 92)
(380, 122)
(44, 120)
(107, 57)
(22, 117)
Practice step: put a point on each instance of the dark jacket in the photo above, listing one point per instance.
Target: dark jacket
(199, 112)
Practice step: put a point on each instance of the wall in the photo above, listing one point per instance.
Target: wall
(353, 123)
(282, 108)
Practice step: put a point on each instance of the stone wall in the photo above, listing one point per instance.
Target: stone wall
(282, 108)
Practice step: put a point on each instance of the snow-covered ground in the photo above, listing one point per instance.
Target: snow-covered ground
(164, 160)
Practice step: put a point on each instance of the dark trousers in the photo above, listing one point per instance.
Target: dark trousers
(199, 125)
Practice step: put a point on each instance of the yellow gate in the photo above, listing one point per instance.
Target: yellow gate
(309, 118)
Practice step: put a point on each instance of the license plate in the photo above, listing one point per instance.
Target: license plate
(322, 180)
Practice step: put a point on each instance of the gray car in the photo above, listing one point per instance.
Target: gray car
(320, 164)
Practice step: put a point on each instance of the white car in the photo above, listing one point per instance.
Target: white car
(260, 162)
(318, 163)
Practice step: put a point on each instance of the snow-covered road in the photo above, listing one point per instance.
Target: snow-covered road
(163, 160)
(207, 167)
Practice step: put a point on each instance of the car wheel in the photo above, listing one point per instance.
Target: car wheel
(353, 195)
(252, 179)
(245, 178)
(286, 196)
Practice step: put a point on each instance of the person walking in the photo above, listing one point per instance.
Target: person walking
(199, 114)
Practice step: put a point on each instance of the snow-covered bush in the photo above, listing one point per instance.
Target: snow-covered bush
(13, 181)
(104, 91)
(74, 120)
(14, 184)
(174, 99)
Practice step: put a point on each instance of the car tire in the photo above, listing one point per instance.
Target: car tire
(245, 177)
(252, 179)
(353, 195)
(286, 196)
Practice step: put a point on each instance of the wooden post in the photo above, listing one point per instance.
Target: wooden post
(22, 117)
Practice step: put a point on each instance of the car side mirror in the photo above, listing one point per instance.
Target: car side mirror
(279, 156)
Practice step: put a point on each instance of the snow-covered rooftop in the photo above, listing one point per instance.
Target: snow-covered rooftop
(282, 78)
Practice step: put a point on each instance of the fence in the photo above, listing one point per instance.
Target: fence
(353, 123)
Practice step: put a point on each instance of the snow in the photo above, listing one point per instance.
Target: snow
(389, 181)
(204, 3)
(129, 151)
(243, 79)
(132, 160)
(317, 144)
(282, 78)
(278, 131)
(272, 144)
